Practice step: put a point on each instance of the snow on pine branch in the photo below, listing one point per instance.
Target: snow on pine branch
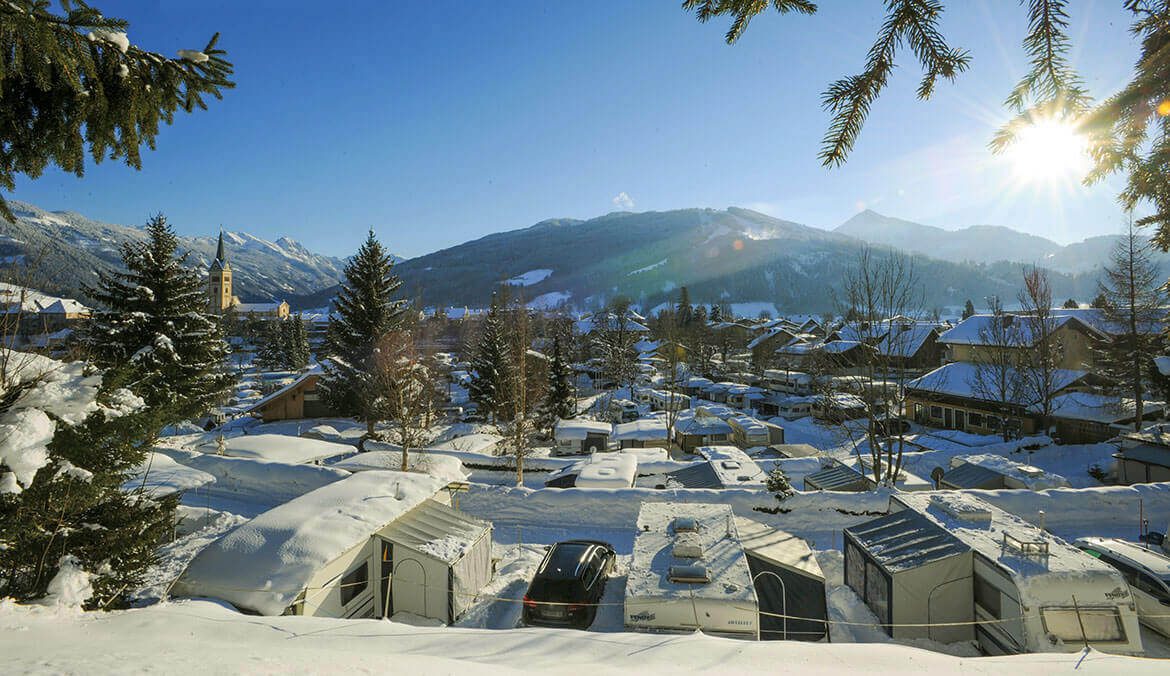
(47, 392)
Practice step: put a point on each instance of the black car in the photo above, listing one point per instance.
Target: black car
(568, 584)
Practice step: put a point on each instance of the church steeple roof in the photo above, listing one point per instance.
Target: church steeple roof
(220, 262)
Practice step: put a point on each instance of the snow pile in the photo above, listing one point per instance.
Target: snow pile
(442, 467)
(55, 390)
(260, 483)
(264, 564)
(70, 587)
(282, 448)
(529, 278)
(161, 475)
(607, 470)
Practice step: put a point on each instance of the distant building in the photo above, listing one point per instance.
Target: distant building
(221, 299)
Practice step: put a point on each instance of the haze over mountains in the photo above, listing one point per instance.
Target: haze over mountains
(732, 255)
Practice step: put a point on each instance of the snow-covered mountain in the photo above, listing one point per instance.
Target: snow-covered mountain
(734, 255)
(62, 251)
(982, 243)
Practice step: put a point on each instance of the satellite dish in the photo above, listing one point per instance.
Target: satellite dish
(936, 476)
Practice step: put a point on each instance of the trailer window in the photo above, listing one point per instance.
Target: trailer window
(855, 570)
(988, 597)
(877, 593)
(354, 583)
(1101, 624)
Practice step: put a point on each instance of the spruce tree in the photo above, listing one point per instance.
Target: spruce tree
(968, 309)
(491, 367)
(66, 501)
(294, 338)
(89, 91)
(684, 313)
(1134, 306)
(365, 310)
(152, 323)
(559, 402)
(270, 352)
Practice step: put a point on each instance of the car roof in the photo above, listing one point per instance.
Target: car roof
(1153, 561)
(565, 559)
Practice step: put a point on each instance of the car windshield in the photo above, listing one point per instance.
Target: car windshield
(563, 561)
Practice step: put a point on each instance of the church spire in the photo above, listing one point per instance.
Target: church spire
(220, 255)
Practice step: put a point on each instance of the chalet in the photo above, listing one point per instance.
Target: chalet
(297, 400)
(963, 396)
(34, 319)
(978, 338)
(911, 346)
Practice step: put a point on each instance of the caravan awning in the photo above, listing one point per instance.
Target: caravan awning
(968, 475)
(436, 530)
(905, 540)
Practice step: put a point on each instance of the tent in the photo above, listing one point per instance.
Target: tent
(911, 571)
(370, 545)
(788, 581)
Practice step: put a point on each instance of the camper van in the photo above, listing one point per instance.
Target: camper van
(1033, 592)
(1146, 571)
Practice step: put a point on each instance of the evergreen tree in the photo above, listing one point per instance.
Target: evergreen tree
(365, 310)
(684, 313)
(968, 309)
(716, 313)
(491, 366)
(63, 504)
(559, 402)
(1134, 303)
(89, 91)
(270, 352)
(1071, 304)
(153, 323)
(1099, 301)
(295, 339)
(777, 483)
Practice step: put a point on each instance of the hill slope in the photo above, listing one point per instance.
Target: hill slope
(63, 251)
(733, 255)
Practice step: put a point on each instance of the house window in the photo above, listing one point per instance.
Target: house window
(975, 419)
(354, 583)
(936, 411)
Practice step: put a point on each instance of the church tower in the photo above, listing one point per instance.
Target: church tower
(220, 277)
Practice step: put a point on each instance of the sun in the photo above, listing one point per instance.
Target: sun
(1049, 151)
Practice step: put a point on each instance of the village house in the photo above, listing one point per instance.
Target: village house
(959, 396)
(295, 401)
(37, 320)
(977, 339)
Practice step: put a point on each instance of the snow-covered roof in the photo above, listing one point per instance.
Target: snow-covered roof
(436, 530)
(19, 299)
(1097, 407)
(644, 429)
(607, 470)
(265, 563)
(980, 329)
(905, 340)
(906, 540)
(440, 466)
(245, 308)
(732, 466)
(701, 425)
(578, 429)
(992, 532)
(723, 556)
(771, 333)
(1031, 477)
(281, 448)
(961, 379)
(778, 547)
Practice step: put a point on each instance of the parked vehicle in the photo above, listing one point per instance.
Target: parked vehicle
(1147, 572)
(568, 584)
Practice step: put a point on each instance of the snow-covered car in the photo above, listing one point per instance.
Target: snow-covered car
(1147, 572)
(568, 584)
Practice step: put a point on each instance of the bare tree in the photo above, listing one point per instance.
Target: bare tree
(881, 292)
(995, 378)
(1043, 353)
(1134, 305)
(407, 394)
(614, 341)
(525, 389)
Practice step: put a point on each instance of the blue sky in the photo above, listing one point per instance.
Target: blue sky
(442, 121)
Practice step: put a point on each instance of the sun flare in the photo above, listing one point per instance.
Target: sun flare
(1049, 151)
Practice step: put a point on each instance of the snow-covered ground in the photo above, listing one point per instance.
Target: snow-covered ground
(201, 637)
